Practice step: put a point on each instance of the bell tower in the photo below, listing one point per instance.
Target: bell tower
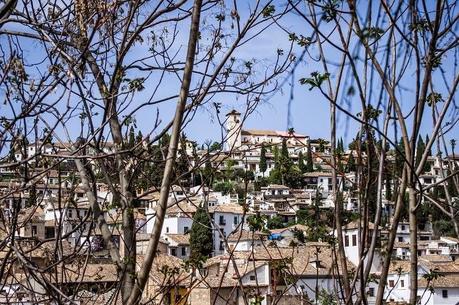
(233, 130)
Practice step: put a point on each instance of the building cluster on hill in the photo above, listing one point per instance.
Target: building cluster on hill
(272, 238)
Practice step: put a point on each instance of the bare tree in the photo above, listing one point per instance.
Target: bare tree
(86, 132)
(75, 78)
(380, 43)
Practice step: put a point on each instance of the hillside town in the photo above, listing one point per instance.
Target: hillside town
(229, 152)
(271, 238)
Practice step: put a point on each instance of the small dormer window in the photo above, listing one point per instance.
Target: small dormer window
(34, 231)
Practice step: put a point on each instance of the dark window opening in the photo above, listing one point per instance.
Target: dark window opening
(354, 240)
(371, 292)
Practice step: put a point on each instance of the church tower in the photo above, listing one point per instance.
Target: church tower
(233, 130)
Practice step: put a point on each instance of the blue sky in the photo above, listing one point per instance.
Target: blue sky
(308, 110)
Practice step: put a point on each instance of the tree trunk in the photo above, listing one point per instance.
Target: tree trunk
(144, 271)
(413, 245)
(391, 241)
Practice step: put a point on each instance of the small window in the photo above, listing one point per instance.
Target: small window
(400, 239)
(183, 251)
(70, 213)
(391, 283)
(167, 229)
(346, 240)
(354, 240)
(371, 292)
(235, 220)
(49, 232)
(444, 293)
(174, 252)
(402, 283)
(252, 277)
(403, 227)
(34, 230)
(186, 230)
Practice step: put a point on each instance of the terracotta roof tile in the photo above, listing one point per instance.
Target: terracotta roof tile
(180, 239)
(227, 208)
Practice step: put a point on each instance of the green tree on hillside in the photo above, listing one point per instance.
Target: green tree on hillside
(420, 149)
(309, 160)
(285, 162)
(275, 222)
(183, 164)
(263, 165)
(201, 242)
(351, 167)
(303, 167)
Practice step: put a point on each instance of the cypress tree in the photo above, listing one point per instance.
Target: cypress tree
(340, 147)
(430, 148)
(340, 166)
(263, 166)
(139, 137)
(309, 161)
(131, 139)
(301, 165)
(351, 163)
(427, 165)
(285, 162)
(276, 157)
(275, 176)
(207, 173)
(155, 167)
(284, 150)
(420, 149)
(399, 158)
(201, 243)
(182, 165)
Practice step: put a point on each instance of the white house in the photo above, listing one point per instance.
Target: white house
(352, 244)
(443, 290)
(243, 240)
(178, 245)
(178, 219)
(226, 219)
(71, 218)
